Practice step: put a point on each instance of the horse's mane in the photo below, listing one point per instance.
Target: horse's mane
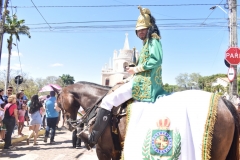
(234, 112)
(235, 144)
(94, 84)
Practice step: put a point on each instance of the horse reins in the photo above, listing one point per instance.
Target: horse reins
(89, 110)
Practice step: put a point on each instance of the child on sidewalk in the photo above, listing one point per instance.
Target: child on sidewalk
(21, 114)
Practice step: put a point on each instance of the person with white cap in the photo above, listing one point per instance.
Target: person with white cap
(145, 84)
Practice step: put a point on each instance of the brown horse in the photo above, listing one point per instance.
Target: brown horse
(225, 142)
(75, 95)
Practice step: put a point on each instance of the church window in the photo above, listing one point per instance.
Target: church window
(107, 82)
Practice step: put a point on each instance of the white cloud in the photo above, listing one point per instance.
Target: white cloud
(18, 65)
(4, 55)
(14, 54)
(2, 68)
(56, 64)
(12, 67)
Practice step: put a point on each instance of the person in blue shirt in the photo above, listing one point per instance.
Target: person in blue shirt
(52, 117)
(9, 93)
(24, 96)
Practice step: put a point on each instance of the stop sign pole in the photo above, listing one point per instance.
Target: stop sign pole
(232, 56)
(233, 43)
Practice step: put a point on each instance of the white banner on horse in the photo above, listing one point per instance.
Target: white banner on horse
(171, 128)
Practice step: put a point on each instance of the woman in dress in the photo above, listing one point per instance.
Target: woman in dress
(19, 100)
(35, 118)
(21, 114)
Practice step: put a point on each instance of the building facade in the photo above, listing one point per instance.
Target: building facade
(221, 81)
(115, 71)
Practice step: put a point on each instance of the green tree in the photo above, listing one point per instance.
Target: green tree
(238, 83)
(219, 89)
(14, 27)
(182, 80)
(170, 88)
(185, 80)
(67, 79)
(205, 83)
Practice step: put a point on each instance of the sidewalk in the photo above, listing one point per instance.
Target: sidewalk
(16, 138)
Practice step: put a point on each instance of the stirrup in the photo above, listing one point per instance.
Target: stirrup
(84, 138)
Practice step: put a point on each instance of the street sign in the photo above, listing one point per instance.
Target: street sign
(226, 63)
(18, 79)
(231, 74)
(232, 56)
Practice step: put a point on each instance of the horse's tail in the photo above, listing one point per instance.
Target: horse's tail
(233, 153)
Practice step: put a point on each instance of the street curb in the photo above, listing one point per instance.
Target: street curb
(19, 139)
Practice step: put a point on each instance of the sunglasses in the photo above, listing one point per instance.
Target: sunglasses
(9, 90)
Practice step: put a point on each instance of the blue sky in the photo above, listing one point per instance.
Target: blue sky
(188, 46)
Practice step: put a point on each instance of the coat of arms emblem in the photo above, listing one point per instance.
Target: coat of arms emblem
(162, 143)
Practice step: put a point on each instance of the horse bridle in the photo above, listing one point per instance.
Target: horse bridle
(65, 114)
(83, 118)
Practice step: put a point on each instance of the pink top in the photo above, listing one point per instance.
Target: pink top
(21, 112)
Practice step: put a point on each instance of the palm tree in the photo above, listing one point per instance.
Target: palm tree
(14, 27)
(67, 79)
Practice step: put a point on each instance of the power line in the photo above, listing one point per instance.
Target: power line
(132, 25)
(210, 14)
(126, 5)
(218, 50)
(41, 14)
(113, 21)
(125, 28)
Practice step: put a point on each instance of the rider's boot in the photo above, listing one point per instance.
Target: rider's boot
(102, 119)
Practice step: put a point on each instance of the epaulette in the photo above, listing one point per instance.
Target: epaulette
(154, 35)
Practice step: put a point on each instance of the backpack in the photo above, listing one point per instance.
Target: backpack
(7, 114)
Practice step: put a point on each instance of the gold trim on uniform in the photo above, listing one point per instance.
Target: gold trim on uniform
(154, 35)
(158, 77)
(138, 69)
(142, 92)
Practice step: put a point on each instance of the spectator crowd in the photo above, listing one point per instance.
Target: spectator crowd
(37, 113)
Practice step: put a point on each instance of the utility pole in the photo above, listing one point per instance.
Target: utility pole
(3, 16)
(232, 4)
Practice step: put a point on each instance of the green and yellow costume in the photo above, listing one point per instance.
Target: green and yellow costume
(147, 82)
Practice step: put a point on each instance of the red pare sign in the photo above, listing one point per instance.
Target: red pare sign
(232, 56)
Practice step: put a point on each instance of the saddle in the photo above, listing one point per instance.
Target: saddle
(117, 113)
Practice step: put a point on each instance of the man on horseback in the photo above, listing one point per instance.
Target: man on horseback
(145, 84)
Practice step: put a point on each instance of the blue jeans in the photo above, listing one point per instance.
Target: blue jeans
(10, 124)
(51, 124)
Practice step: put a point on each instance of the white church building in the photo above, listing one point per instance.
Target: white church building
(115, 71)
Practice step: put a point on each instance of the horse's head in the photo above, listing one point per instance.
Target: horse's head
(84, 94)
(66, 110)
(69, 109)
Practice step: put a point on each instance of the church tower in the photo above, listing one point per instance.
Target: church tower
(111, 74)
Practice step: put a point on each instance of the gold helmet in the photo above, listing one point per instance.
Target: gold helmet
(144, 19)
